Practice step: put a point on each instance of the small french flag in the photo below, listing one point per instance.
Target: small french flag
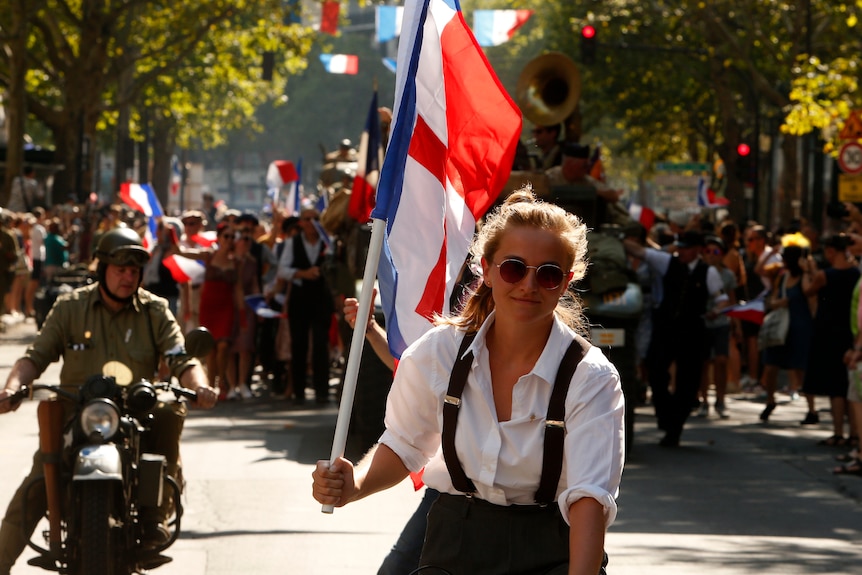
(340, 63)
(204, 239)
(495, 27)
(142, 197)
(642, 214)
(258, 305)
(324, 237)
(752, 311)
(185, 270)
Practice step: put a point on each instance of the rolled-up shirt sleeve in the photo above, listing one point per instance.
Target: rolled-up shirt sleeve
(413, 409)
(595, 437)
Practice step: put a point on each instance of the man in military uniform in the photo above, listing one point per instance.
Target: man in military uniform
(111, 320)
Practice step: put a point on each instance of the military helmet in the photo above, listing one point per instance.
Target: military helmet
(122, 247)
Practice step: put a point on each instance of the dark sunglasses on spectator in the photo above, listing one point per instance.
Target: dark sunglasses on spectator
(713, 251)
(548, 276)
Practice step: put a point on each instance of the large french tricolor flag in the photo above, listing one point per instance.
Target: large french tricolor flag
(454, 136)
(368, 167)
(495, 27)
(142, 198)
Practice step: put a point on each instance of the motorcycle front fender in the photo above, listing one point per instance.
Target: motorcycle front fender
(98, 463)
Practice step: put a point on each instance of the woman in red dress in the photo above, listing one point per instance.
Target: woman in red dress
(220, 302)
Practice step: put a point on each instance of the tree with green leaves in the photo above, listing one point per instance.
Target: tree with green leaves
(193, 65)
(685, 80)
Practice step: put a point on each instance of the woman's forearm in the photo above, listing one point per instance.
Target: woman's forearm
(586, 536)
(380, 469)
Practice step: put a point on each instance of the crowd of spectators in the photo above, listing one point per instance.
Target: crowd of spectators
(283, 258)
(815, 276)
(239, 254)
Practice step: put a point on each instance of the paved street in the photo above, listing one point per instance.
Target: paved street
(737, 498)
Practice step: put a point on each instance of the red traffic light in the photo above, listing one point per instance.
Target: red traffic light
(743, 150)
(588, 32)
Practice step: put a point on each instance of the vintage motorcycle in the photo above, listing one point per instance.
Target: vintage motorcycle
(98, 479)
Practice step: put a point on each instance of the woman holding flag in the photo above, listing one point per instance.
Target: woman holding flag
(536, 456)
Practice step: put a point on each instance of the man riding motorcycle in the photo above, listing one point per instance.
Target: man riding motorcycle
(115, 320)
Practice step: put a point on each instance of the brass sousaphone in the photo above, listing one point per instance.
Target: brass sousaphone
(548, 89)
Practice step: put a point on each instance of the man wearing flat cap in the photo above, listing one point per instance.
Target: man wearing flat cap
(679, 328)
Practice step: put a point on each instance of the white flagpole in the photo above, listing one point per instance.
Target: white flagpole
(378, 228)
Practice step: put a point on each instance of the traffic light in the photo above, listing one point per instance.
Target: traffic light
(588, 44)
(743, 163)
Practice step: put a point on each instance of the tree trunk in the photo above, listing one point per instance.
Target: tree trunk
(163, 143)
(787, 191)
(16, 104)
(729, 122)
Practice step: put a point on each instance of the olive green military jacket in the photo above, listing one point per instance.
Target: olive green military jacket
(86, 334)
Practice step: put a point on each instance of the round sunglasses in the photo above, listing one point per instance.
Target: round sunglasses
(548, 276)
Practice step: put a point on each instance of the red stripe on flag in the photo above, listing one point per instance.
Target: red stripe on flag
(480, 117)
(435, 289)
(427, 149)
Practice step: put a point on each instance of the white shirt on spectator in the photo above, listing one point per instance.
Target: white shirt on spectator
(504, 458)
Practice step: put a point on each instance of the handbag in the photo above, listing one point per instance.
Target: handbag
(776, 323)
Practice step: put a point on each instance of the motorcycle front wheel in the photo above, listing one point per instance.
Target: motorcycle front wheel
(97, 546)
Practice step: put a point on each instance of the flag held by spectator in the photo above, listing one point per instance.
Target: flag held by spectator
(324, 237)
(707, 198)
(142, 198)
(642, 214)
(752, 311)
(453, 139)
(185, 270)
(279, 174)
(257, 303)
(205, 239)
(495, 27)
(368, 167)
(340, 63)
(176, 176)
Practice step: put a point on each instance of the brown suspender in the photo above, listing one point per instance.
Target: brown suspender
(555, 427)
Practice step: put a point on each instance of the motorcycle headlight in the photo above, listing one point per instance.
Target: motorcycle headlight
(100, 416)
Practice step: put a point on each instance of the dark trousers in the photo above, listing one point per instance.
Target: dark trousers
(310, 318)
(473, 537)
(685, 347)
(404, 556)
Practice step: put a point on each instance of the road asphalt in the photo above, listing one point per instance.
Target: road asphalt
(737, 497)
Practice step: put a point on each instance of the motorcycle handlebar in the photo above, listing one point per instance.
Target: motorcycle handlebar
(26, 391)
(179, 391)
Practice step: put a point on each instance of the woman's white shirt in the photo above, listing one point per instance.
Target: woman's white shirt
(504, 459)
